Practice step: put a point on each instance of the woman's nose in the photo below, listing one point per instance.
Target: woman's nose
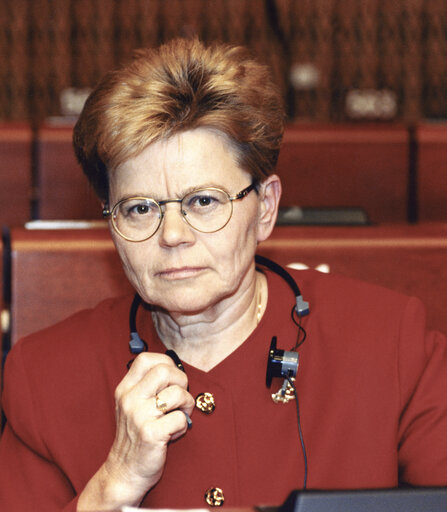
(174, 229)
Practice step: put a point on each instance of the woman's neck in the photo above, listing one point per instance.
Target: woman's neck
(204, 340)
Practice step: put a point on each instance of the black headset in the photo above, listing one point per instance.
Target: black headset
(280, 363)
(301, 308)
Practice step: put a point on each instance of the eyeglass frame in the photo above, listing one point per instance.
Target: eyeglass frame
(108, 213)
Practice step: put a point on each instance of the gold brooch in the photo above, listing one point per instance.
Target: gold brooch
(205, 403)
(214, 497)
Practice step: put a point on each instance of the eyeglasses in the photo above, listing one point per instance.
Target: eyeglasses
(206, 210)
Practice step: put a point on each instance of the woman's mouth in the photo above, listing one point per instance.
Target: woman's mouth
(180, 273)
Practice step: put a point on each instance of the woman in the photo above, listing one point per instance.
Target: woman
(181, 146)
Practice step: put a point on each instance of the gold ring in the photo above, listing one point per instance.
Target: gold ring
(161, 406)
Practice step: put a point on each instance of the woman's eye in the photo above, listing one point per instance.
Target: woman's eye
(137, 209)
(202, 202)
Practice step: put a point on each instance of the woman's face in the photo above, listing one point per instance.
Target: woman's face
(180, 269)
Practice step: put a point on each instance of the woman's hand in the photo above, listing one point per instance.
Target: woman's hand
(136, 460)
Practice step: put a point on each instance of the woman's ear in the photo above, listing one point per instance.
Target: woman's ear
(269, 195)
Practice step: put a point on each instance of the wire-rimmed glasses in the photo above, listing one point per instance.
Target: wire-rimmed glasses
(207, 210)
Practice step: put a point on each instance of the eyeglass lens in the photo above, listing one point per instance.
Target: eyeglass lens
(205, 210)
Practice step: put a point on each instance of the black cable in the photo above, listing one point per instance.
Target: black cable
(278, 269)
(301, 329)
(173, 355)
(133, 313)
(300, 431)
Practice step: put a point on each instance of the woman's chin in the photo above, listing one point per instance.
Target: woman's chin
(186, 302)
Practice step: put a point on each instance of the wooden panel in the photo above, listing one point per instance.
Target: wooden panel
(409, 258)
(15, 174)
(64, 192)
(58, 272)
(346, 166)
(432, 171)
(320, 165)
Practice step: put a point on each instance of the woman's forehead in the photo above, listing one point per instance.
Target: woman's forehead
(194, 158)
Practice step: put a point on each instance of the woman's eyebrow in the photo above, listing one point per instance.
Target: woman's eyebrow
(125, 197)
(180, 195)
(202, 186)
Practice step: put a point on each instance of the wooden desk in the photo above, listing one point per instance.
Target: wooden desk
(320, 166)
(15, 173)
(347, 165)
(432, 171)
(63, 190)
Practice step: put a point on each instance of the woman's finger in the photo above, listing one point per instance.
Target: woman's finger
(150, 373)
(172, 398)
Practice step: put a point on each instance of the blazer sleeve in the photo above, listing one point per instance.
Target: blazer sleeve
(422, 374)
(29, 478)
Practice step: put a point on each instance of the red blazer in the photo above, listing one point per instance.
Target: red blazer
(372, 388)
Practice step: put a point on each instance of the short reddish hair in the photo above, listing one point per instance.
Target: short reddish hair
(181, 85)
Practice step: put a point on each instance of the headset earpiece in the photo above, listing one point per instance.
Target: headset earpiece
(302, 307)
(136, 344)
